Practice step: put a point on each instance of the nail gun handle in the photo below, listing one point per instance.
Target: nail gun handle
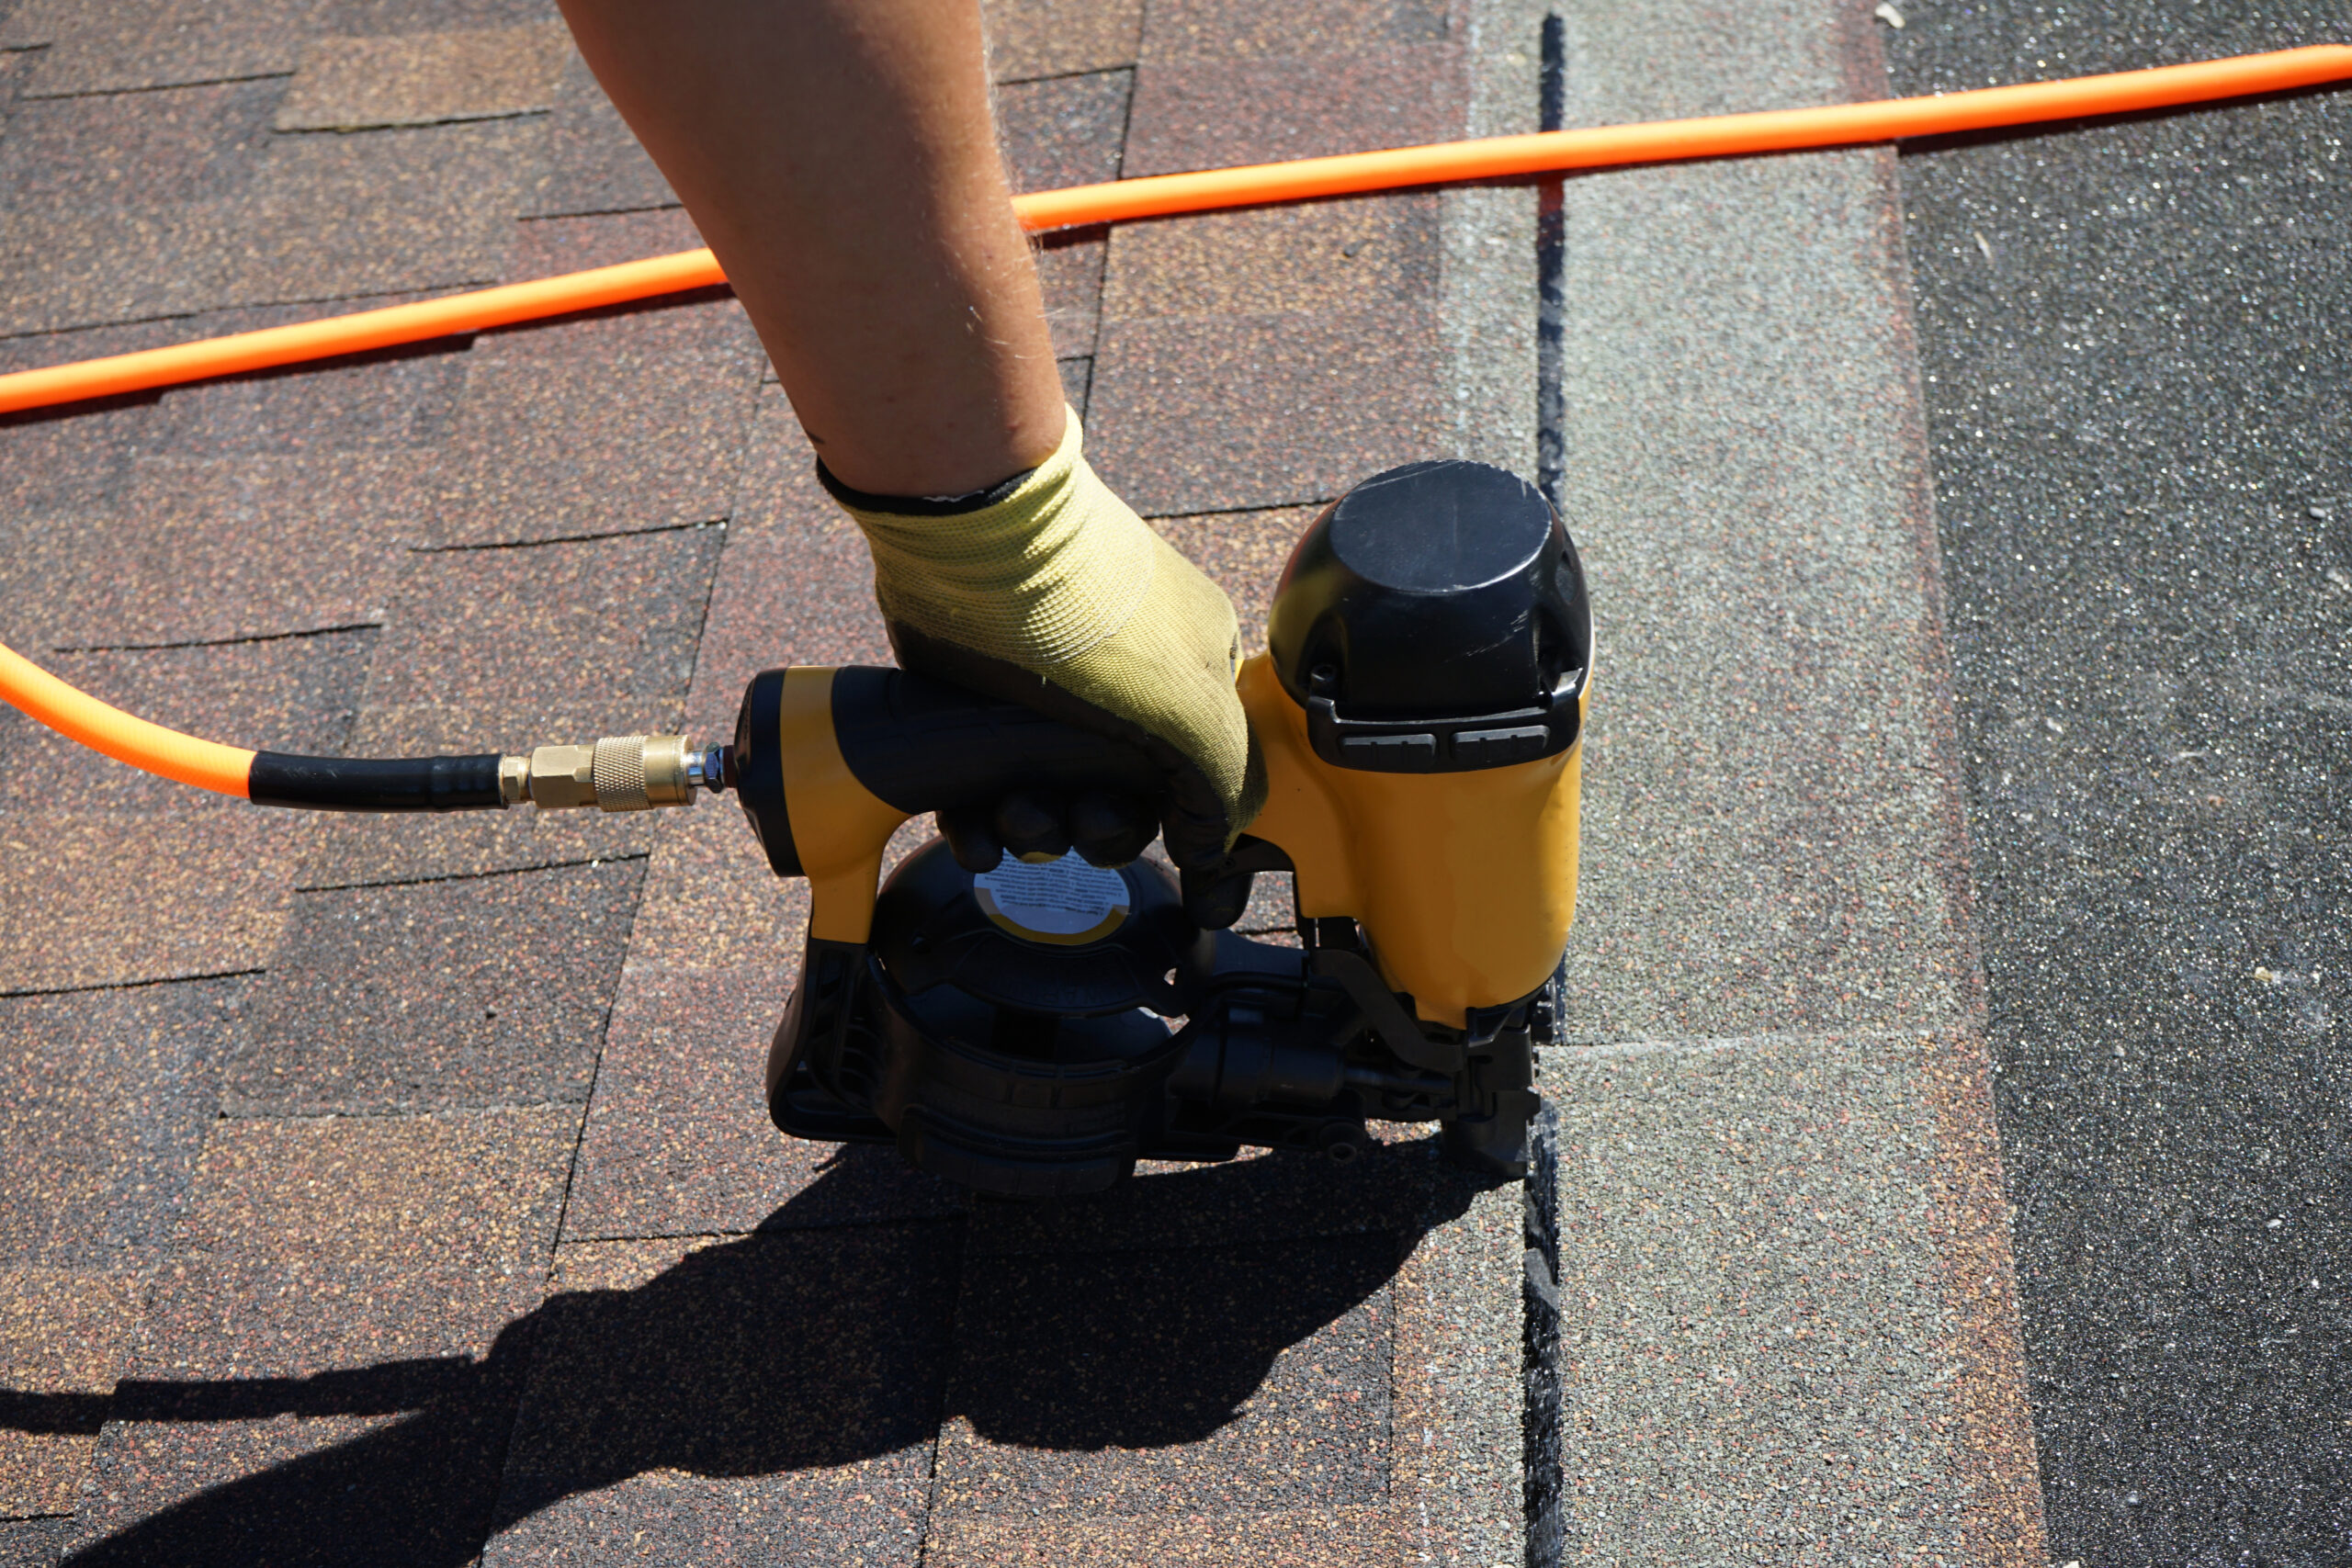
(829, 761)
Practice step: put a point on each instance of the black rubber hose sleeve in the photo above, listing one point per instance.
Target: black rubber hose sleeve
(367, 784)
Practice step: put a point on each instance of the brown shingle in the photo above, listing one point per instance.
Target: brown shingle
(771, 1399)
(201, 144)
(712, 903)
(1329, 255)
(1226, 412)
(369, 19)
(1060, 38)
(350, 84)
(362, 851)
(478, 991)
(154, 897)
(104, 1102)
(62, 1335)
(324, 215)
(232, 547)
(378, 211)
(1239, 30)
(377, 1257)
(1208, 114)
(1346, 1535)
(593, 160)
(678, 1137)
(157, 43)
(552, 449)
(1066, 132)
(1222, 1380)
(505, 649)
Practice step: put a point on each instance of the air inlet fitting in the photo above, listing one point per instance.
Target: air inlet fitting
(619, 773)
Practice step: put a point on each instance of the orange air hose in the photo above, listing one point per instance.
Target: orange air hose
(78, 715)
(1160, 196)
(227, 769)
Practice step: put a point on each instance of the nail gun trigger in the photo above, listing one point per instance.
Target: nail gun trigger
(1383, 1014)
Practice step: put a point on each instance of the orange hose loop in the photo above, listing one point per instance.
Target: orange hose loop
(78, 715)
(1160, 196)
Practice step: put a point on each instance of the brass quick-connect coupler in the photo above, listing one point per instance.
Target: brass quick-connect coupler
(619, 773)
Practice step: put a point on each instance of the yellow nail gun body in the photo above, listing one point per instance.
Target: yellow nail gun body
(1035, 1030)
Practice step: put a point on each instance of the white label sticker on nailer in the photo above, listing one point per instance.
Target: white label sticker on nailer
(1065, 901)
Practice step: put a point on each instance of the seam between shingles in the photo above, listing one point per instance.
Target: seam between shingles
(1067, 75)
(421, 293)
(596, 1073)
(1726, 1043)
(150, 87)
(888, 1222)
(1236, 511)
(485, 118)
(400, 1113)
(947, 1386)
(216, 641)
(603, 212)
(569, 538)
(132, 984)
(622, 859)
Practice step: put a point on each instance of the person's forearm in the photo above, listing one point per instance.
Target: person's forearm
(839, 157)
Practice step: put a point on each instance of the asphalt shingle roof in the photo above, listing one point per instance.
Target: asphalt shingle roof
(401, 1191)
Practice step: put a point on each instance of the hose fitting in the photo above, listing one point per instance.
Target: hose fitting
(619, 773)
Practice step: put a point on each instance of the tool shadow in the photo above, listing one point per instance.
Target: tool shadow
(1077, 1326)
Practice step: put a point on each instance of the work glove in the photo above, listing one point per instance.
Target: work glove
(1053, 594)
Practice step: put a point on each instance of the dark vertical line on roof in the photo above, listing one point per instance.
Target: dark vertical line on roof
(1540, 1348)
(1540, 1477)
(1551, 277)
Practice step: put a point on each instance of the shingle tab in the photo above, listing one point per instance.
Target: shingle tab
(1030, 38)
(233, 547)
(1199, 113)
(104, 1102)
(593, 163)
(157, 43)
(352, 83)
(1230, 1380)
(556, 448)
(772, 1398)
(1229, 413)
(337, 1357)
(158, 897)
(503, 649)
(62, 1337)
(475, 991)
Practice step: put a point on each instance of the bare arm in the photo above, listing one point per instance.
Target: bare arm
(839, 157)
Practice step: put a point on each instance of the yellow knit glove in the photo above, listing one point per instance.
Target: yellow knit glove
(1057, 596)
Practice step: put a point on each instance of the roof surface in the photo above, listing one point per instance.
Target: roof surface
(401, 1192)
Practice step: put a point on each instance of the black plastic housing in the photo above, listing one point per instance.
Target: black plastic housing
(1032, 1070)
(922, 745)
(1433, 619)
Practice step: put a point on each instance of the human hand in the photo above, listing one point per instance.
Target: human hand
(1056, 595)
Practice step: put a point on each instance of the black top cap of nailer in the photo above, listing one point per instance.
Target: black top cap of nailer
(1433, 620)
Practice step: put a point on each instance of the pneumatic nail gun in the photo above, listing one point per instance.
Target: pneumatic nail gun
(1037, 1029)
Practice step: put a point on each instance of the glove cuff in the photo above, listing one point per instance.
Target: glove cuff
(1035, 579)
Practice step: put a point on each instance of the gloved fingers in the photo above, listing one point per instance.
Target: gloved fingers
(1110, 830)
(1030, 825)
(1213, 906)
(970, 832)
